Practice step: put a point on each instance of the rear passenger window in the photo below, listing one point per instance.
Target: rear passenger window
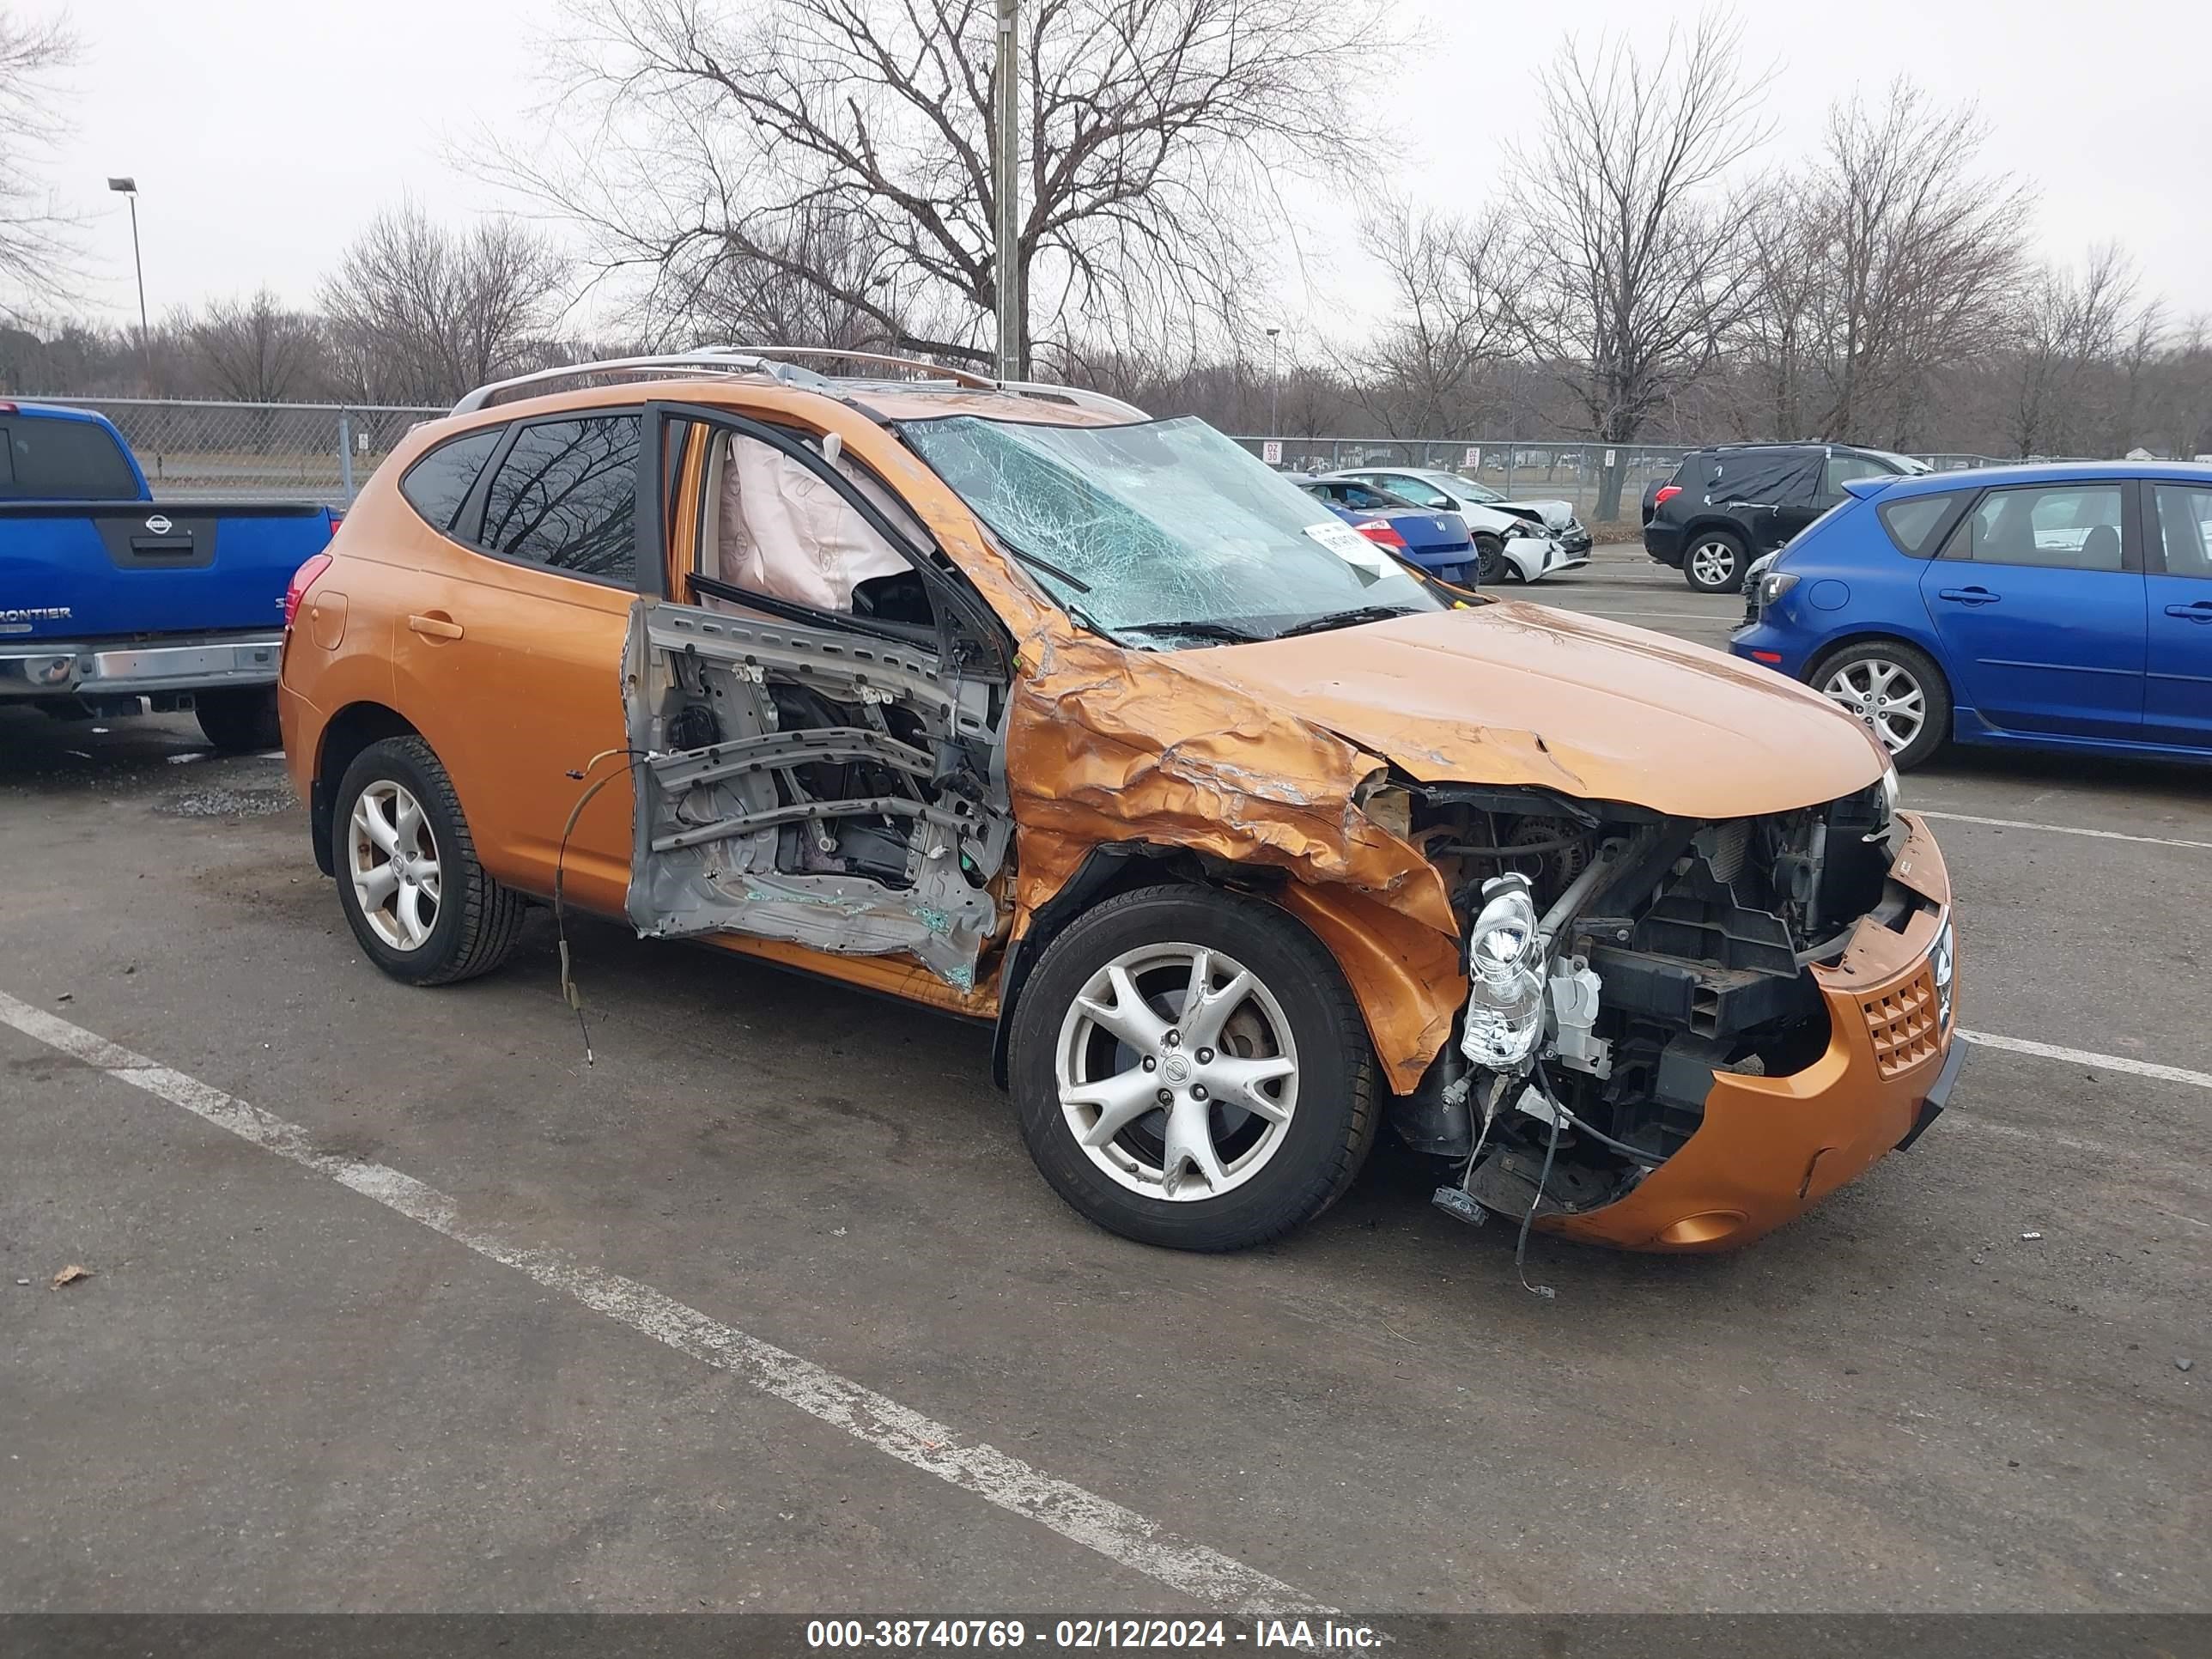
(2185, 528)
(1913, 521)
(436, 485)
(566, 497)
(2061, 527)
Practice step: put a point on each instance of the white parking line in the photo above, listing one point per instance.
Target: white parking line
(2084, 1057)
(2061, 830)
(1098, 1523)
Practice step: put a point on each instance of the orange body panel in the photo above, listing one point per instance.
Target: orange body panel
(1255, 755)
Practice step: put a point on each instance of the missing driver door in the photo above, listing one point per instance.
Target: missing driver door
(814, 713)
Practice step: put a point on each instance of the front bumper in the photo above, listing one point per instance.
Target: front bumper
(1772, 1147)
(86, 670)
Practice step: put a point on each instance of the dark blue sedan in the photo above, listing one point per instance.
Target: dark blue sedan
(1439, 542)
(2046, 606)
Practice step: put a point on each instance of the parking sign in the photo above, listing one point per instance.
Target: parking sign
(1474, 461)
(1272, 452)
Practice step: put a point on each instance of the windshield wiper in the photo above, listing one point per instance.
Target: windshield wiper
(1365, 613)
(1196, 630)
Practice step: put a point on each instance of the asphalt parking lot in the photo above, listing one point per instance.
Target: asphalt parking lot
(395, 1303)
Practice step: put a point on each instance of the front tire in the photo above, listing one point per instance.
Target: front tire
(419, 902)
(1714, 562)
(1490, 560)
(1191, 1071)
(241, 720)
(1895, 690)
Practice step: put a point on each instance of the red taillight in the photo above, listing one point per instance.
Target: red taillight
(1666, 493)
(1771, 659)
(6, 408)
(303, 578)
(1380, 533)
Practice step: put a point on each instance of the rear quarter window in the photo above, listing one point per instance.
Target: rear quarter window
(50, 460)
(436, 485)
(1915, 523)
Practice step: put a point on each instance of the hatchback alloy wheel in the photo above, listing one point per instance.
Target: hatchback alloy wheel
(1885, 695)
(393, 865)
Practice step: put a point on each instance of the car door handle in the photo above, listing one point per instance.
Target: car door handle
(1968, 595)
(2199, 611)
(436, 626)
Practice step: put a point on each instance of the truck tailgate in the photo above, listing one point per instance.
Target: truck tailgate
(105, 570)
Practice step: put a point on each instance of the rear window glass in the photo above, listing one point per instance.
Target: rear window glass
(436, 485)
(62, 460)
(1913, 522)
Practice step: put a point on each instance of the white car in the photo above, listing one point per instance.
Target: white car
(1518, 540)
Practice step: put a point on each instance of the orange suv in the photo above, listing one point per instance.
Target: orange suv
(1013, 701)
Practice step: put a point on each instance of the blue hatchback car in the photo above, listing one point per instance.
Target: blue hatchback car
(2048, 606)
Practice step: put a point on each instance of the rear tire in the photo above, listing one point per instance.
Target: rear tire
(1896, 690)
(241, 721)
(419, 902)
(1101, 1029)
(1714, 562)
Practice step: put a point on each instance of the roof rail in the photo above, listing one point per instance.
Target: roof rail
(764, 360)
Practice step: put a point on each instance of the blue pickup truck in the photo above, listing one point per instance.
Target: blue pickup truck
(112, 603)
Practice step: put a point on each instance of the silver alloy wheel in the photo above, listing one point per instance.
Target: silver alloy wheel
(1885, 695)
(1178, 1074)
(1713, 562)
(393, 864)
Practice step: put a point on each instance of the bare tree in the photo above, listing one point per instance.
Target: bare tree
(1901, 259)
(254, 350)
(2070, 325)
(36, 251)
(1458, 282)
(754, 135)
(1636, 264)
(418, 313)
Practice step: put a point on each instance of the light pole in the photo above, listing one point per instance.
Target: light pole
(128, 188)
(1274, 382)
(1006, 155)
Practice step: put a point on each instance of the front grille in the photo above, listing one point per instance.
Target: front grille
(1903, 1024)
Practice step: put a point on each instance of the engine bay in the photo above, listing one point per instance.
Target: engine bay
(1619, 960)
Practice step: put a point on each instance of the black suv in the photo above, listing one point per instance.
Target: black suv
(1726, 505)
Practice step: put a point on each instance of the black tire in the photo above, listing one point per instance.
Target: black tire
(1333, 1122)
(1489, 560)
(241, 721)
(1935, 692)
(477, 921)
(1726, 554)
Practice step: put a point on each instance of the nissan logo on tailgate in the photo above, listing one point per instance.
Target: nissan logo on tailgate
(158, 525)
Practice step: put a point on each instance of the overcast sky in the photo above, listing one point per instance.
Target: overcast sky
(264, 133)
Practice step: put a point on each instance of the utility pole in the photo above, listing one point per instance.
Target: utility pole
(128, 188)
(1274, 383)
(1007, 169)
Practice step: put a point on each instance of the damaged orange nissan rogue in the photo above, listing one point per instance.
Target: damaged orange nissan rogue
(1013, 701)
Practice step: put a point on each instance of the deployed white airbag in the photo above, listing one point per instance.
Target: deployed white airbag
(784, 531)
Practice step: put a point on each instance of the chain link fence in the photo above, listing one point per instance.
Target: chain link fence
(326, 452)
(321, 453)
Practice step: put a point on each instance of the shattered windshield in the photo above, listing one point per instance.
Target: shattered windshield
(1164, 533)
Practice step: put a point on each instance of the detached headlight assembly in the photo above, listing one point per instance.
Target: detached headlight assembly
(1523, 527)
(1505, 978)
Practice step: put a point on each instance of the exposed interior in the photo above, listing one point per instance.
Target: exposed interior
(836, 789)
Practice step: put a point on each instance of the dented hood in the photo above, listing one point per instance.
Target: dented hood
(1514, 693)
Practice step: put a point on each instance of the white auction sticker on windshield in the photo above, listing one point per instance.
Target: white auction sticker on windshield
(1354, 549)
